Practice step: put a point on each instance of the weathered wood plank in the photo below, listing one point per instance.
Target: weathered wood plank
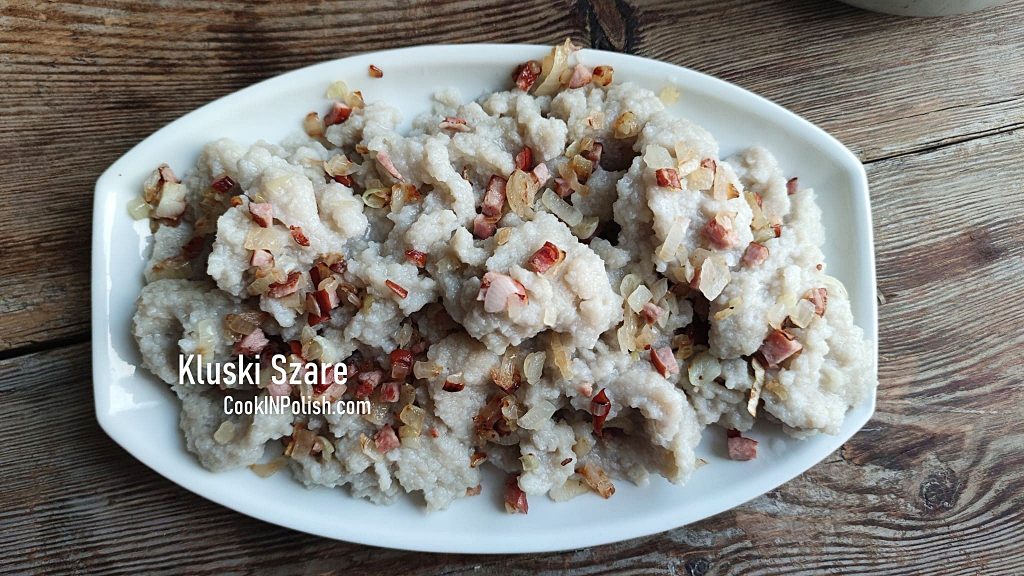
(930, 486)
(883, 85)
(84, 81)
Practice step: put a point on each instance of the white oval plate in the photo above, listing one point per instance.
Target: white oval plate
(140, 413)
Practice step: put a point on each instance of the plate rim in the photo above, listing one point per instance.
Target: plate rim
(100, 305)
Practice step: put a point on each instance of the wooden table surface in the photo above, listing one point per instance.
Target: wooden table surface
(933, 485)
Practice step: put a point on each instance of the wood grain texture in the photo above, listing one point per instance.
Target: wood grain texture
(884, 86)
(84, 81)
(933, 485)
(930, 486)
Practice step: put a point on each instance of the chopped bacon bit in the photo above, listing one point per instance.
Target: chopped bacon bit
(791, 185)
(543, 259)
(401, 363)
(741, 448)
(778, 346)
(494, 196)
(651, 312)
(252, 344)
(581, 76)
(562, 187)
(515, 498)
(389, 391)
(818, 297)
(526, 74)
(668, 177)
(385, 162)
(319, 389)
(474, 491)
(490, 423)
(497, 290)
(262, 213)
(565, 462)
(337, 114)
(326, 300)
(602, 75)
(295, 347)
(315, 320)
(335, 389)
(524, 159)
(222, 183)
(343, 179)
(755, 254)
(366, 381)
(376, 72)
(600, 406)
(720, 233)
(168, 203)
(484, 226)
(281, 389)
(594, 154)
(664, 361)
(454, 123)
(541, 173)
(397, 289)
(477, 459)
(338, 266)
(298, 236)
(193, 247)
(289, 286)
(385, 439)
(319, 272)
(777, 228)
(417, 258)
(453, 386)
(433, 431)
(709, 163)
